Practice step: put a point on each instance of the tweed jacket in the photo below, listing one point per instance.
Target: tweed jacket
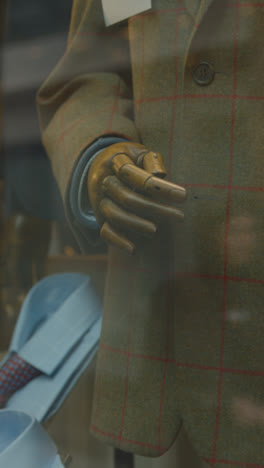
(183, 319)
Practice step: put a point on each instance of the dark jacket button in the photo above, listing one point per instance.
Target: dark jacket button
(203, 74)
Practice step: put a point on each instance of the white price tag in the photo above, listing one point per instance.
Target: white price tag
(118, 10)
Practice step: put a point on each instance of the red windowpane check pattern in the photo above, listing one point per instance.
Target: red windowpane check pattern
(223, 278)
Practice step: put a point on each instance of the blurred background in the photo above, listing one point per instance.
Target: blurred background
(35, 238)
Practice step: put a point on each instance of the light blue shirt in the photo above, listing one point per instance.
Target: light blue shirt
(57, 332)
(24, 443)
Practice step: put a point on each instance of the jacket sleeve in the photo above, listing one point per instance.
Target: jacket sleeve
(88, 94)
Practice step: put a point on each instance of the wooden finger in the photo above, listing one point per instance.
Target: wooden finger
(137, 203)
(162, 188)
(119, 160)
(124, 219)
(141, 181)
(153, 163)
(113, 237)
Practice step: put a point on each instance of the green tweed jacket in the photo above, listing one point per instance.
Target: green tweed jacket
(182, 338)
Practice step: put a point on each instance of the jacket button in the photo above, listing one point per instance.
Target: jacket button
(203, 74)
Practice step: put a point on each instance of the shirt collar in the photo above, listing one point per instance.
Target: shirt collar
(24, 443)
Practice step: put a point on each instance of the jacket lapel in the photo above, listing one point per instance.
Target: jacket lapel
(197, 8)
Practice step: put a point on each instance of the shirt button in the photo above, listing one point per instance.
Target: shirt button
(203, 74)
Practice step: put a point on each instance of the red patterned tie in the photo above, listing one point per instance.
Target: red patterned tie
(15, 374)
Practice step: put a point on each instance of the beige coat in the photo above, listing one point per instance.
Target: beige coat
(182, 339)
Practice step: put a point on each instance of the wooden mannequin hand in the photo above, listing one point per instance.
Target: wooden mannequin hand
(127, 193)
